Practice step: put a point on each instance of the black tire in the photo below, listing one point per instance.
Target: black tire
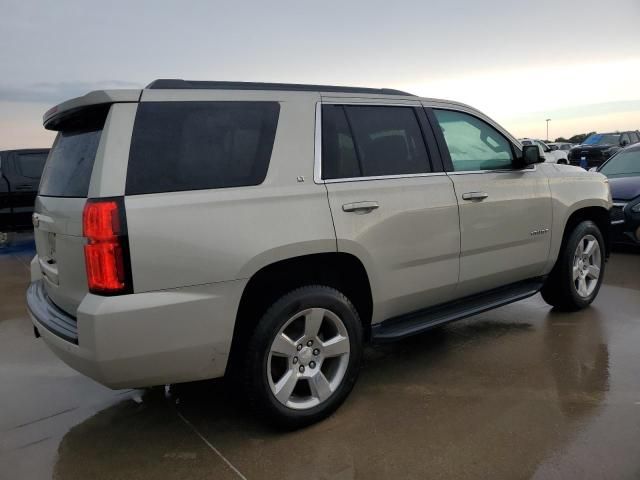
(560, 289)
(256, 356)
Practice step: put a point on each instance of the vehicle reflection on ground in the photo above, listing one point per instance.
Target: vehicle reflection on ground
(495, 394)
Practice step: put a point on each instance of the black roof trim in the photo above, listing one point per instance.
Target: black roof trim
(178, 84)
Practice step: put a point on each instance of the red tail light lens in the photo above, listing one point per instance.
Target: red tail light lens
(106, 251)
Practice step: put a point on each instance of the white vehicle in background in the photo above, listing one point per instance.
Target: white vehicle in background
(550, 155)
(564, 146)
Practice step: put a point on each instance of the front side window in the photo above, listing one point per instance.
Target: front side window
(370, 141)
(178, 146)
(473, 144)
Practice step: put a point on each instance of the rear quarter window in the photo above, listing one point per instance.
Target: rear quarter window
(179, 146)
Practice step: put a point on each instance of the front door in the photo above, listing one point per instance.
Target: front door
(505, 213)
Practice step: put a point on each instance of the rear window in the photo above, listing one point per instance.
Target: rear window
(371, 141)
(178, 146)
(31, 164)
(67, 172)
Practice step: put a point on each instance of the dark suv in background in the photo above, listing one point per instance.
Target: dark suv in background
(599, 147)
(20, 172)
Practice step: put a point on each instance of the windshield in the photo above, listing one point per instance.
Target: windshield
(603, 139)
(626, 163)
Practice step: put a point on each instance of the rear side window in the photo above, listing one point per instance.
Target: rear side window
(178, 146)
(31, 164)
(369, 141)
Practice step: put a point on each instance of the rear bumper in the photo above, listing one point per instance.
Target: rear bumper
(143, 339)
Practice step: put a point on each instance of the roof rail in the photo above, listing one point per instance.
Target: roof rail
(179, 84)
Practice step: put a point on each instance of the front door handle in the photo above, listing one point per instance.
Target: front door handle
(474, 196)
(360, 207)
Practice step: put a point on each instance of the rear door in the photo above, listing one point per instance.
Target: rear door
(392, 205)
(58, 211)
(505, 213)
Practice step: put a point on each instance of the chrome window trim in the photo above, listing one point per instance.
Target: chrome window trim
(317, 157)
(384, 177)
(317, 160)
(532, 168)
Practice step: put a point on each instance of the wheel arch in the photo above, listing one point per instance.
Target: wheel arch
(597, 214)
(343, 271)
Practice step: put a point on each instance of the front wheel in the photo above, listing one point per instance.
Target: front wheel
(575, 280)
(303, 358)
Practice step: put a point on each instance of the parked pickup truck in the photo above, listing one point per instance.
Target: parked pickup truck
(20, 172)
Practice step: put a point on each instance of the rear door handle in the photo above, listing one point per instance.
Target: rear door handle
(360, 207)
(474, 196)
(24, 187)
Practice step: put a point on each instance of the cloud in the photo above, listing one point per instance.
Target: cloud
(56, 92)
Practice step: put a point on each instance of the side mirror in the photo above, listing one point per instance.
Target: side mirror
(593, 169)
(553, 148)
(530, 155)
(624, 143)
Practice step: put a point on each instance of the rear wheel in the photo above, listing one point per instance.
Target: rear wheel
(303, 358)
(575, 280)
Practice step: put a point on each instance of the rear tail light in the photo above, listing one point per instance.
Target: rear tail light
(107, 250)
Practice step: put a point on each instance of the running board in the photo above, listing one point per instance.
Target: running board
(422, 320)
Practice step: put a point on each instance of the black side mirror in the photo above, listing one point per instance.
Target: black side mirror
(624, 143)
(530, 156)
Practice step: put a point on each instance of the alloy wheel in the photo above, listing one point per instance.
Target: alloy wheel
(308, 358)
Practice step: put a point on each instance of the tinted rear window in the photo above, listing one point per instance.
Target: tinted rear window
(67, 172)
(178, 146)
(31, 164)
(370, 141)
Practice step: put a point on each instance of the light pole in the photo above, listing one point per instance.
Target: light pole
(548, 120)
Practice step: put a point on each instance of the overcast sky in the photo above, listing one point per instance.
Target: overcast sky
(575, 61)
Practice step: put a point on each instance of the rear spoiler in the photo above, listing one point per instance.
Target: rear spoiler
(54, 116)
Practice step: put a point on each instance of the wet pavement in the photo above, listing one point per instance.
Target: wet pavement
(519, 392)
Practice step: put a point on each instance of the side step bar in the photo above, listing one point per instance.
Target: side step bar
(422, 320)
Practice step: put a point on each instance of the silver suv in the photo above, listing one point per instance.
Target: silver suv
(266, 232)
